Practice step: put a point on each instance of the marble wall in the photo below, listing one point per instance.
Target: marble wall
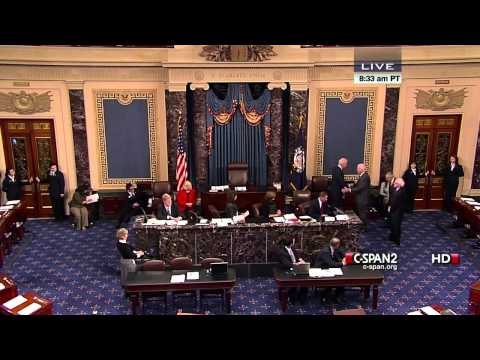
(476, 167)
(176, 104)
(274, 150)
(389, 129)
(77, 106)
(200, 138)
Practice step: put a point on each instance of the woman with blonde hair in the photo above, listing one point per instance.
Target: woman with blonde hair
(186, 197)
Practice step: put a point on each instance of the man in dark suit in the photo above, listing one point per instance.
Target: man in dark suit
(320, 207)
(12, 185)
(332, 257)
(396, 209)
(56, 188)
(168, 210)
(451, 176)
(410, 177)
(337, 187)
(131, 205)
(361, 191)
(286, 258)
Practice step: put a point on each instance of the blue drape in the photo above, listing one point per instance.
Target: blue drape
(233, 138)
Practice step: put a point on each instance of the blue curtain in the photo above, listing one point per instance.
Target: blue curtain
(238, 128)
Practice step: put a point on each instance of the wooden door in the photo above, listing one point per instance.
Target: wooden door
(29, 147)
(434, 139)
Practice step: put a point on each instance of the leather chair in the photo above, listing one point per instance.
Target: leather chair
(183, 263)
(319, 184)
(160, 188)
(214, 211)
(154, 265)
(237, 174)
(211, 294)
(302, 209)
(301, 196)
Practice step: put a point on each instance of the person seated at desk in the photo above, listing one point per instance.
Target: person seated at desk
(131, 206)
(168, 210)
(126, 250)
(12, 185)
(332, 257)
(320, 207)
(231, 208)
(286, 258)
(78, 208)
(186, 198)
(269, 206)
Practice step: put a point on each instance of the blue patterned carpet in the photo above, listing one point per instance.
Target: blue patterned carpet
(78, 271)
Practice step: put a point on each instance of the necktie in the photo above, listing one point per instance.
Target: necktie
(168, 212)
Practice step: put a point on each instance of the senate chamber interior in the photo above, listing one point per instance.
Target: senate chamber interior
(239, 180)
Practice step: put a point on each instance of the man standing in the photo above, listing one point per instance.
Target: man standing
(56, 188)
(337, 187)
(360, 190)
(131, 207)
(167, 209)
(12, 185)
(396, 209)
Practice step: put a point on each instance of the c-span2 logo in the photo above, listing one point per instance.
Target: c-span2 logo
(453, 259)
(373, 261)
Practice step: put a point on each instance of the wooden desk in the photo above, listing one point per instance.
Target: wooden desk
(245, 200)
(467, 215)
(10, 290)
(8, 230)
(140, 282)
(353, 276)
(45, 309)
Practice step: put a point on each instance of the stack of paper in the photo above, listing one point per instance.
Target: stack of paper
(219, 188)
(342, 217)
(222, 221)
(279, 219)
(329, 218)
(155, 222)
(182, 222)
(319, 273)
(193, 275)
(6, 208)
(12, 202)
(290, 217)
(428, 310)
(473, 203)
(30, 309)
(2, 286)
(418, 312)
(13, 303)
(467, 199)
(177, 279)
(336, 271)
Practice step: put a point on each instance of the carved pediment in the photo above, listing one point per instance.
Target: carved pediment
(441, 99)
(25, 104)
(238, 53)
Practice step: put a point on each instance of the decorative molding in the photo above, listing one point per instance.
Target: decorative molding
(274, 85)
(237, 53)
(25, 104)
(440, 100)
(125, 97)
(346, 96)
(177, 87)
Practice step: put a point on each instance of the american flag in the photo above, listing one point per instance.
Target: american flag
(182, 174)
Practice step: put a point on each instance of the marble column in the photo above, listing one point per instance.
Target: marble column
(274, 151)
(476, 167)
(200, 138)
(298, 111)
(389, 129)
(176, 106)
(77, 106)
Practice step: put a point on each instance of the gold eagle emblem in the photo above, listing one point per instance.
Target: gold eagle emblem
(441, 99)
(239, 53)
(25, 104)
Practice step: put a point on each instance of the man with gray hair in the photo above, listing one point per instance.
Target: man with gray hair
(396, 209)
(337, 187)
(361, 191)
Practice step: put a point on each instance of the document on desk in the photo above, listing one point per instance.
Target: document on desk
(2, 286)
(177, 279)
(290, 217)
(467, 199)
(329, 218)
(13, 303)
(335, 271)
(279, 219)
(182, 222)
(428, 310)
(473, 203)
(6, 207)
(319, 273)
(30, 309)
(342, 217)
(193, 275)
(155, 222)
(12, 202)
